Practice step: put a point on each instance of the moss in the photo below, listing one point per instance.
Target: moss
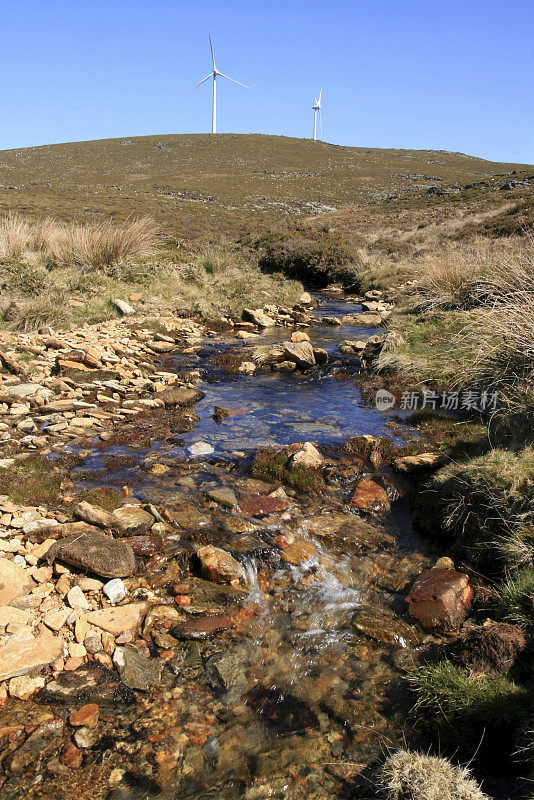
(106, 498)
(272, 465)
(31, 481)
(325, 259)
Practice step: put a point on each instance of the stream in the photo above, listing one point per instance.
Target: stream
(299, 687)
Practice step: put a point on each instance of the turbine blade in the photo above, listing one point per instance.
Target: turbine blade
(233, 80)
(212, 54)
(201, 82)
(320, 95)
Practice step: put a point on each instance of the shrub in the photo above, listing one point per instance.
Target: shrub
(409, 775)
(320, 261)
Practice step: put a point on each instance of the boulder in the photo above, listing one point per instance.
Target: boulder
(18, 658)
(305, 299)
(259, 505)
(321, 355)
(14, 582)
(181, 397)
(440, 598)
(299, 352)
(298, 551)
(370, 497)
(224, 496)
(132, 521)
(95, 552)
(300, 336)
(218, 565)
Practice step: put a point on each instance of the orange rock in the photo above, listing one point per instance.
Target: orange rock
(440, 598)
(370, 497)
(71, 756)
(86, 715)
(72, 663)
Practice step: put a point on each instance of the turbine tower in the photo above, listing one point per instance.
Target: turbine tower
(317, 110)
(214, 74)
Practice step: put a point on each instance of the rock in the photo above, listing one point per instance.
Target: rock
(224, 496)
(363, 319)
(285, 712)
(89, 684)
(56, 619)
(85, 737)
(18, 658)
(201, 627)
(118, 619)
(299, 352)
(370, 497)
(77, 599)
(305, 299)
(95, 552)
(93, 515)
(300, 336)
(71, 757)
(136, 670)
(132, 520)
(11, 364)
(23, 687)
(491, 648)
(24, 390)
(307, 456)
(321, 356)
(423, 461)
(14, 582)
(298, 552)
(331, 321)
(247, 368)
(246, 335)
(86, 715)
(115, 590)
(259, 505)
(200, 449)
(440, 598)
(181, 397)
(385, 628)
(218, 565)
(14, 616)
(345, 771)
(285, 367)
(124, 307)
(39, 745)
(258, 317)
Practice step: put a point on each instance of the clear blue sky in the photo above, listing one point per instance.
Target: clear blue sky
(440, 74)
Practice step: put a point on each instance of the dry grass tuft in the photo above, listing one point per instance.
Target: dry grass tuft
(409, 775)
(87, 246)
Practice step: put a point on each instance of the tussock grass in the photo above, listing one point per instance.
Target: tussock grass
(87, 246)
(407, 775)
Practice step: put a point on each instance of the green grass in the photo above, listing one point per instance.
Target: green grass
(31, 481)
(515, 599)
(461, 706)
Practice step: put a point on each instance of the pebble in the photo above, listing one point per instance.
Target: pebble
(115, 590)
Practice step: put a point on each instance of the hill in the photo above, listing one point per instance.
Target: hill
(199, 183)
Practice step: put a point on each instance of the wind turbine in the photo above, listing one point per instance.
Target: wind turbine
(213, 74)
(317, 110)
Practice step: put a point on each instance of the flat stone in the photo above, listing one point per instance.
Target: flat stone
(56, 619)
(77, 599)
(181, 397)
(200, 449)
(259, 505)
(124, 307)
(23, 686)
(370, 497)
(14, 582)
(258, 317)
(40, 744)
(90, 683)
(119, 618)
(201, 627)
(14, 616)
(18, 658)
(440, 598)
(132, 520)
(225, 497)
(86, 715)
(298, 552)
(95, 552)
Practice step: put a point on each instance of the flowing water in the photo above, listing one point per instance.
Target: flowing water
(300, 682)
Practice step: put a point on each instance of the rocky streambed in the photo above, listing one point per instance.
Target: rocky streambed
(209, 599)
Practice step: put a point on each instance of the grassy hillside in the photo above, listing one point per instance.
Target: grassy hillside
(203, 183)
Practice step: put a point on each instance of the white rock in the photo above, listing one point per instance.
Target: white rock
(77, 599)
(115, 590)
(124, 307)
(200, 449)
